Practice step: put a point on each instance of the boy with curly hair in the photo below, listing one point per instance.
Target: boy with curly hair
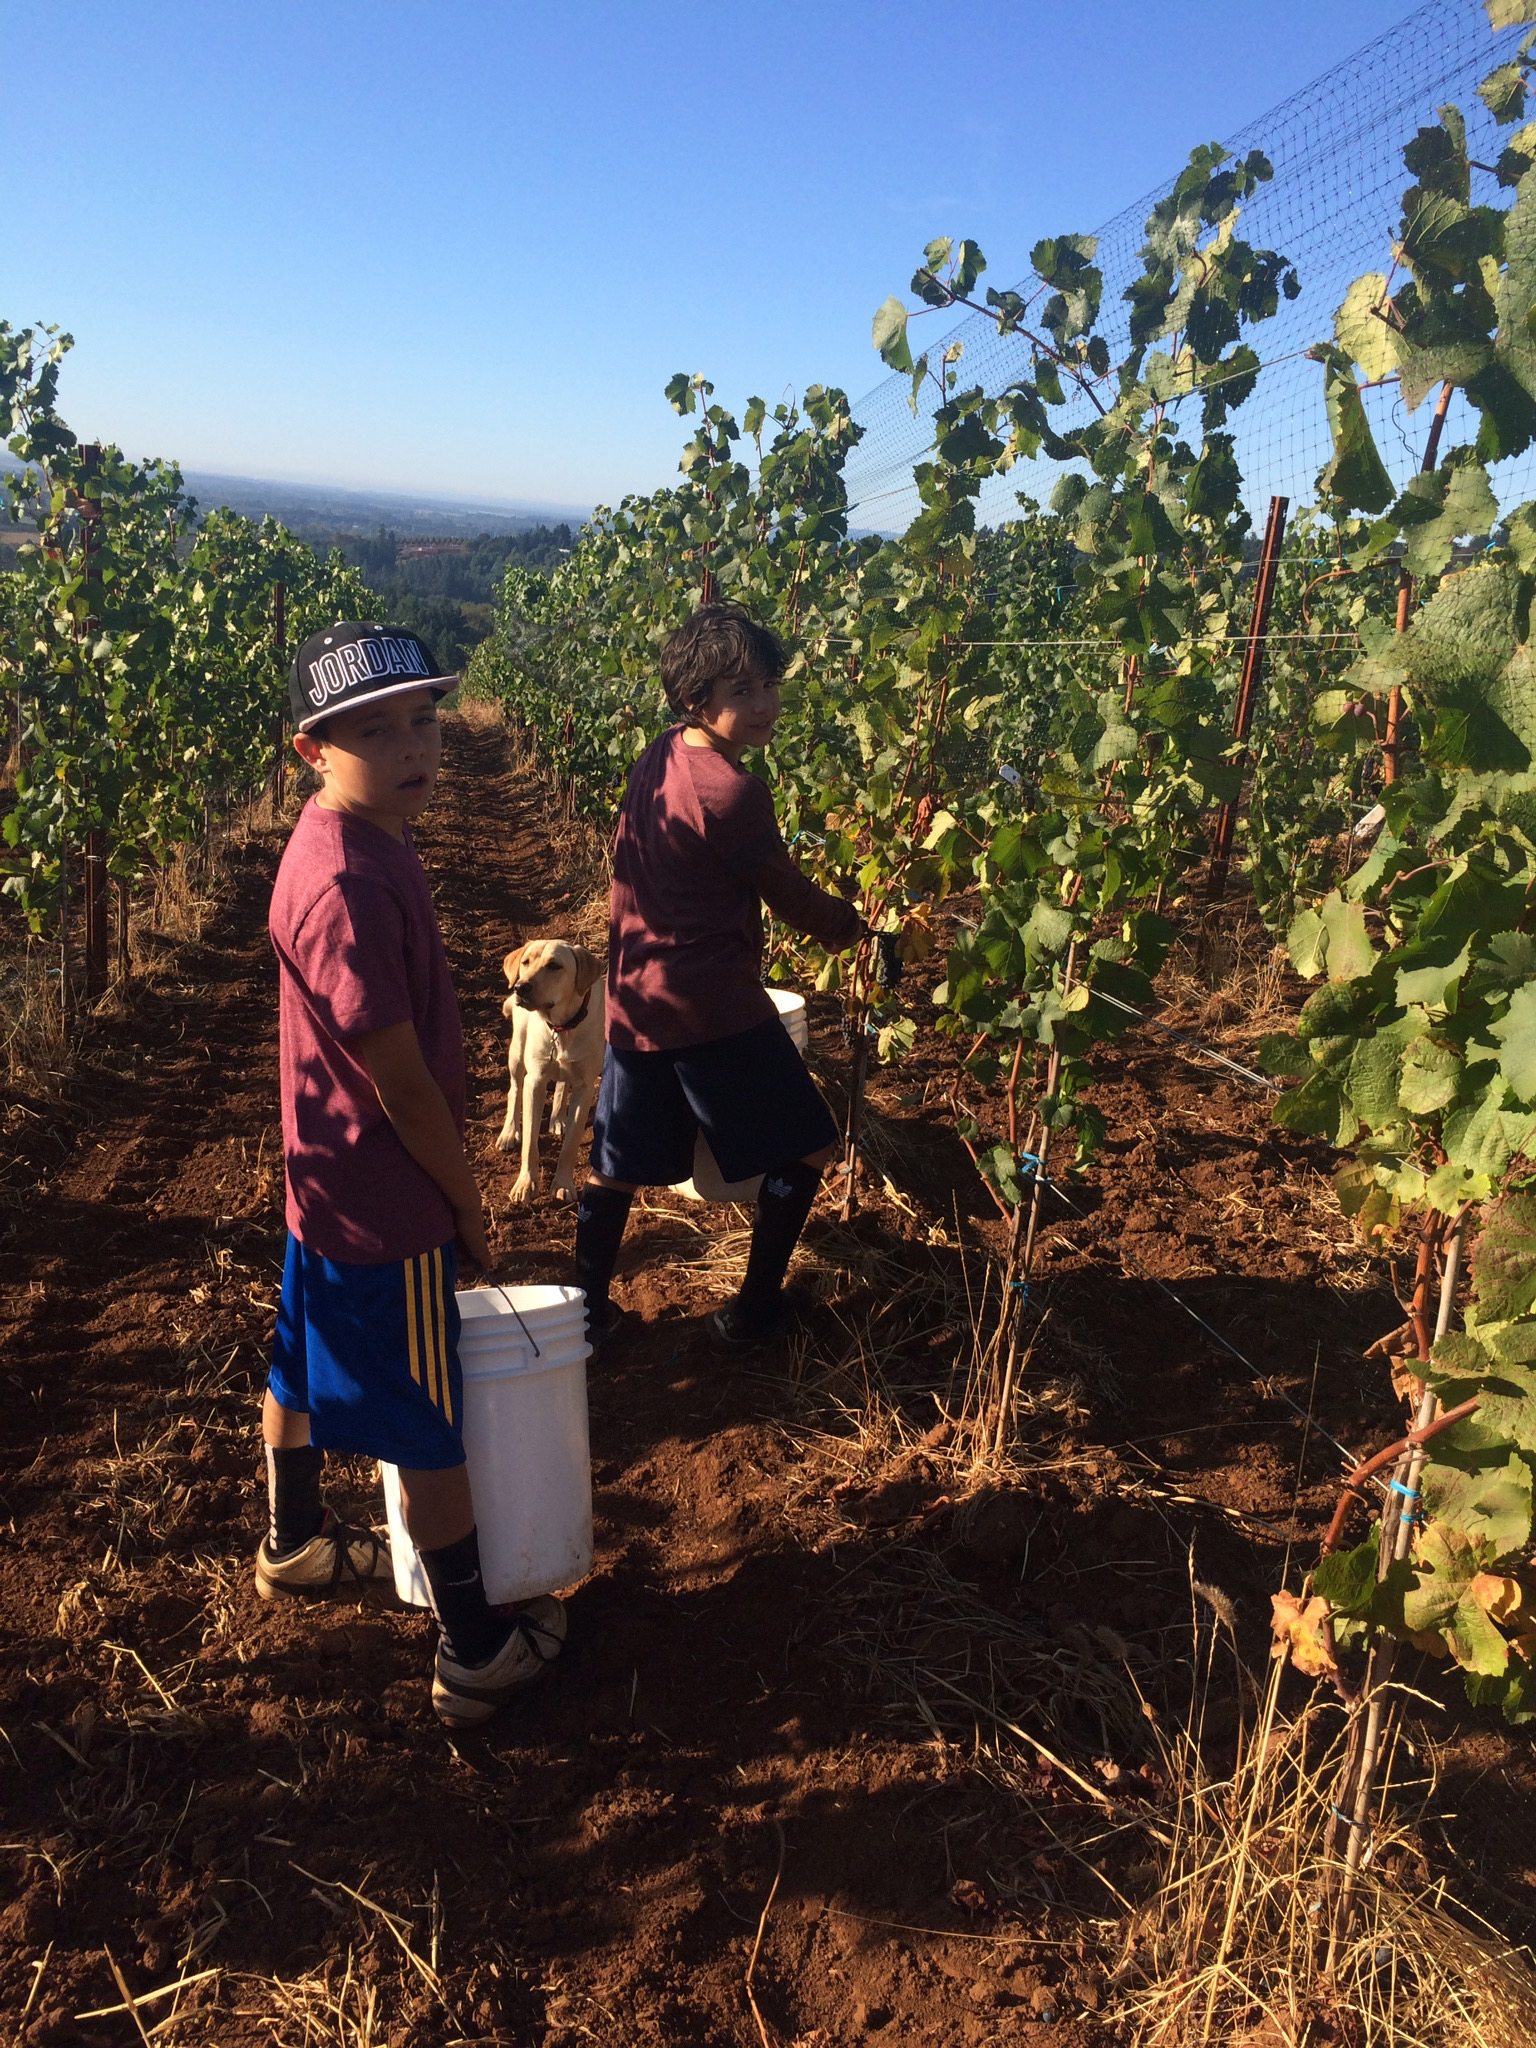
(694, 1042)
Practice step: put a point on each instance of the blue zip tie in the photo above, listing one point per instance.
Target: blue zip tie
(1347, 1818)
(1029, 1159)
(1408, 1492)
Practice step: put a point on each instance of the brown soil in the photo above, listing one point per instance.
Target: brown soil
(781, 1674)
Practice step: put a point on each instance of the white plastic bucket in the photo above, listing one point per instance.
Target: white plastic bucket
(525, 1444)
(707, 1184)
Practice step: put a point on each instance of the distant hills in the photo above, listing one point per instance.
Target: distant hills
(327, 509)
(321, 511)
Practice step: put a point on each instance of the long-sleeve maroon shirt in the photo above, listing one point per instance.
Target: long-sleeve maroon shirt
(698, 851)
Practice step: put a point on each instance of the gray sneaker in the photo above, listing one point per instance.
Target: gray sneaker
(466, 1694)
(336, 1561)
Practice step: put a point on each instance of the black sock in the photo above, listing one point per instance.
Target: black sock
(601, 1216)
(472, 1630)
(294, 1513)
(783, 1203)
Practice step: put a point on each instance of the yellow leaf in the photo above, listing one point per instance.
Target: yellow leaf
(1498, 1596)
(1431, 1641)
(915, 943)
(1298, 1629)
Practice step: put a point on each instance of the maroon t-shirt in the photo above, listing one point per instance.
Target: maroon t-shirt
(698, 850)
(358, 950)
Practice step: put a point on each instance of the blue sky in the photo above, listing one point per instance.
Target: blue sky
(459, 248)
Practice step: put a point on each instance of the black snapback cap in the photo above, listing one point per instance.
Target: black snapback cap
(351, 664)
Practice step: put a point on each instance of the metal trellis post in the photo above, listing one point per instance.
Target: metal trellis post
(1247, 689)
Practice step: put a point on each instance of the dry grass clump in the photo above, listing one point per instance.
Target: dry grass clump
(44, 1022)
(1233, 1945)
(36, 1034)
(1225, 972)
(583, 849)
(946, 1656)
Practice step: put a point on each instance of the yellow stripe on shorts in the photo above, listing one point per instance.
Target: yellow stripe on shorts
(413, 1349)
(442, 1330)
(429, 1330)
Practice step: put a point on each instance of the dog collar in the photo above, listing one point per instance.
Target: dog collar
(579, 1018)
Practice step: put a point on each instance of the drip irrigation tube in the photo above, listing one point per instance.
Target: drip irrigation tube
(1205, 1052)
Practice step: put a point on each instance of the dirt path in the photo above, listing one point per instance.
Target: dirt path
(764, 1665)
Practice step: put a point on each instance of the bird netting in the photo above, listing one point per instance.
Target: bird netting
(1332, 208)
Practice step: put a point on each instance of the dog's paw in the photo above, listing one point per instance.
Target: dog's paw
(564, 1190)
(507, 1142)
(523, 1190)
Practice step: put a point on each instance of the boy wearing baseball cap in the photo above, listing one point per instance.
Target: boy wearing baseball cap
(380, 1194)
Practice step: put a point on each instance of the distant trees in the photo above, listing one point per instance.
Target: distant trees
(444, 588)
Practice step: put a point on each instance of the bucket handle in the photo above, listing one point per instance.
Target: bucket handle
(511, 1304)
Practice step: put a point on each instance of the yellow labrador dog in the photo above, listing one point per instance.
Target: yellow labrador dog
(557, 1013)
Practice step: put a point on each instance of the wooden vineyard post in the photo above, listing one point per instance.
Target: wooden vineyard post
(66, 991)
(855, 1113)
(1247, 690)
(1392, 742)
(98, 893)
(97, 886)
(279, 723)
(124, 908)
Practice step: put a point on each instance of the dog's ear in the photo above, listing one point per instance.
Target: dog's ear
(588, 969)
(509, 965)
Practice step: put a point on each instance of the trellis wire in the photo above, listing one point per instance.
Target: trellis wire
(1332, 208)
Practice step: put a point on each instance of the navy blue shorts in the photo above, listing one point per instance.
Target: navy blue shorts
(750, 1094)
(371, 1354)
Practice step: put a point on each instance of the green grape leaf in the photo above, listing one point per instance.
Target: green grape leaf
(1307, 943)
(1506, 1414)
(1504, 1259)
(1285, 1057)
(1318, 1108)
(889, 335)
(1520, 526)
(1117, 742)
(1484, 1504)
(1502, 92)
(1347, 1578)
(1516, 1033)
(1375, 1070)
(1464, 654)
(1446, 1560)
(1338, 1009)
(1350, 952)
(1428, 983)
(1430, 1075)
(1475, 1643)
(896, 1039)
(1356, 477)
(1441, 505)
(1362, 332)
(1049, 927)
(1482, 1138)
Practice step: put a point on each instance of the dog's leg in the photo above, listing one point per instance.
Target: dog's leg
(579, 1099)
(526, 1186)
(508, 1136)
(559, 1109)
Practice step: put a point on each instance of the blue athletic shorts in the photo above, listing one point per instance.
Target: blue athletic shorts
(750, 1094)
(371, 1353)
